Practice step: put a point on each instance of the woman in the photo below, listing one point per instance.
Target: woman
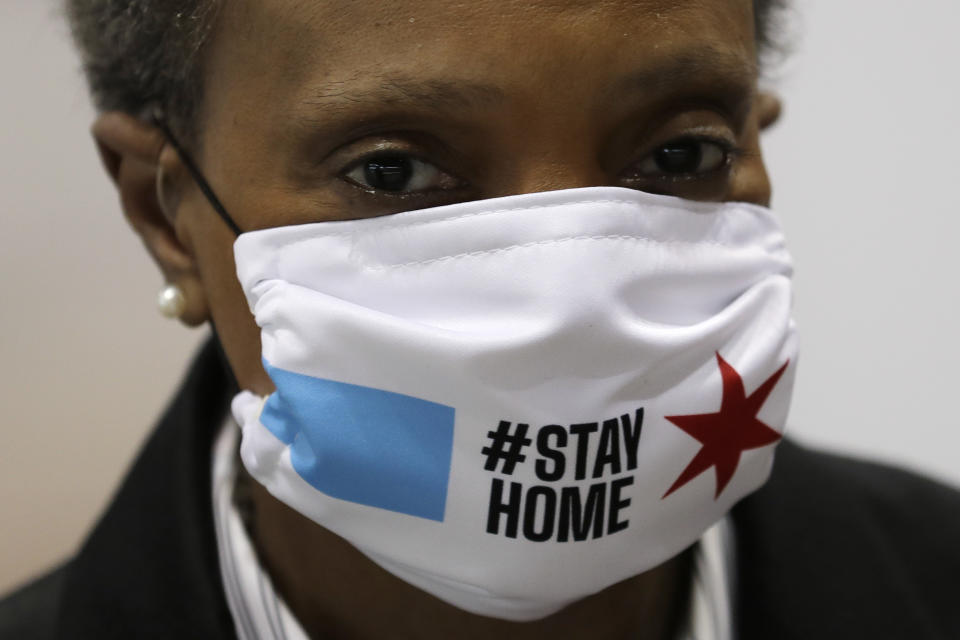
(508, 409)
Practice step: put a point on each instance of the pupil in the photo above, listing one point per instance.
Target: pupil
(388, 174)
(679, 157)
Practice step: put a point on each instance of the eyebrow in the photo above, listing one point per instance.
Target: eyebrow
(699, 68)
(706, 69)
(402, 90)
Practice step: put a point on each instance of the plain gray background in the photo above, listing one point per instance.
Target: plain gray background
(865, 168)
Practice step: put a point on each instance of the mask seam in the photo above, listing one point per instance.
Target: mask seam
(558, 241)
(477, 214)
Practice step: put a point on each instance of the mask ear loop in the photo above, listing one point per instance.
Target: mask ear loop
(160, 121)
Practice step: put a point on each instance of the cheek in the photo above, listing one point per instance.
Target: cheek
(750, 182)
(212, 244)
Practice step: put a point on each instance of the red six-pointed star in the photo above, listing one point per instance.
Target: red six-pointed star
(729, 432)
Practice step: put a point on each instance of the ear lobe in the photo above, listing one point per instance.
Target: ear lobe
(769, 108)
(133, 153)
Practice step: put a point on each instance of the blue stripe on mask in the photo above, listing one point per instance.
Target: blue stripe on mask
(364, 445)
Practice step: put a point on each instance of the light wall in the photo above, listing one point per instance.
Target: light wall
(865, 163)
(867, 177)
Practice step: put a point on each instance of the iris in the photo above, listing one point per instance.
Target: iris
(388, 173)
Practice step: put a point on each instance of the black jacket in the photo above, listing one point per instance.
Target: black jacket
(829, 548)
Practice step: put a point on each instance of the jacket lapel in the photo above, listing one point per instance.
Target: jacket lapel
(816, 558)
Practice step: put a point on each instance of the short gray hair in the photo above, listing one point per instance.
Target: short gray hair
(138, 54)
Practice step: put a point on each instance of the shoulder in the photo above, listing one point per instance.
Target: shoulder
(30, 613)
(867, 547)
(903, 504)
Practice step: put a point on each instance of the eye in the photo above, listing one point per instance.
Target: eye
(686, 157)
(399, 174)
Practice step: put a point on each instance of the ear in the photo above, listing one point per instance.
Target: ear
(149, 176)
(768, 107)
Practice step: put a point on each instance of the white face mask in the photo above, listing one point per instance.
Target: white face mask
(515, 403)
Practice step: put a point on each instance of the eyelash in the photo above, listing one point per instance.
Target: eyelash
(367, 158)
(731, 152)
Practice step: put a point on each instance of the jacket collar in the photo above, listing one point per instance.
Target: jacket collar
(820, 553)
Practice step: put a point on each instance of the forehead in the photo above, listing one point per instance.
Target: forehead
(353, 23)
(492, 42)
(282, 70)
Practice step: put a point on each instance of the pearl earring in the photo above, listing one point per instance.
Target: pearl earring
(171, 302)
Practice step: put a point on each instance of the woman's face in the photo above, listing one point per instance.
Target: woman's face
(332, 110)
